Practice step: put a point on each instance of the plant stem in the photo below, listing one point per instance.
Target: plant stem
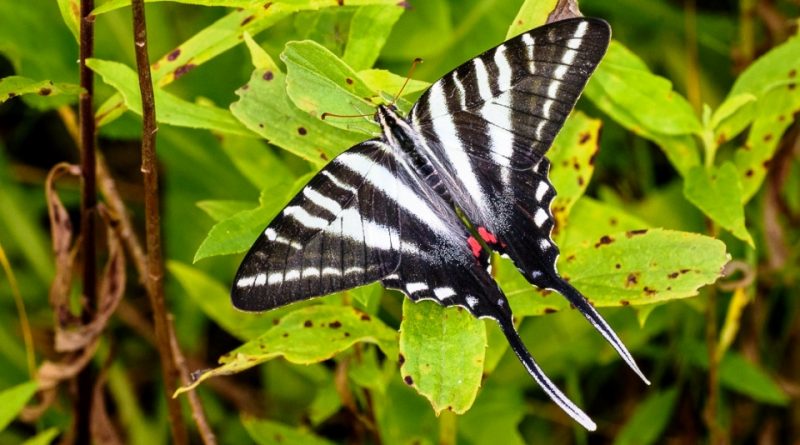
(85, 387)
(155, 271)
(448, 423)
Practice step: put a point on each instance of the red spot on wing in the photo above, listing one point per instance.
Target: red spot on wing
(475, 246)
(487, 235)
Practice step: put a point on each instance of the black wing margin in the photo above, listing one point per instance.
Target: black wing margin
(339, 232)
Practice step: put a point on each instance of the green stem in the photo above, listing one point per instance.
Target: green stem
(448, 423)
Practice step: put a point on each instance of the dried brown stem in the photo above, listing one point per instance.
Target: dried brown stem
(194, 401)
(155, 272)
(83, 402)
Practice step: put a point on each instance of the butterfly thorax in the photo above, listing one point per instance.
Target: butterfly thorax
(398, 134)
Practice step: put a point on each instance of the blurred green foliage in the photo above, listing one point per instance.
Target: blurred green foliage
(688, 129)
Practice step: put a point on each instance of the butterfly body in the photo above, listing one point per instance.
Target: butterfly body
(390, 209)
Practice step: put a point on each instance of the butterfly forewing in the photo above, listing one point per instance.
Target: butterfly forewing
(339, 232)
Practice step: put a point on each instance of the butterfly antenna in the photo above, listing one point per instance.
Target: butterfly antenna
(414, 64)
(536, 372)
(594, 317)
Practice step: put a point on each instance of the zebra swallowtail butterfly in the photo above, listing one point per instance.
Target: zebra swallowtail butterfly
(386, 209)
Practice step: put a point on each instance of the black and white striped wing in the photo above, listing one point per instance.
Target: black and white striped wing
(490, 123)
(339, 232)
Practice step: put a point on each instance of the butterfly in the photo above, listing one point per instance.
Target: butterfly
(420, 207)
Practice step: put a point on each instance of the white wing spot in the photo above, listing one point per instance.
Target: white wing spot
(529, 42)
(472, 301)
(331, 271)
(292, 275)
(245, 281)
(541, 189)
(552, 90)
(544, 244)
(310, 272)
(581, 31)
(416, 287)
(535, 274)
(540, 218)
(271, 234)
(274, 278)
(261, 279)
(443, 293)
(354, 269)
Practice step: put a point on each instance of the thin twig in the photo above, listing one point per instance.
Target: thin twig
(83, 400)
(155, 272)
(194, 401)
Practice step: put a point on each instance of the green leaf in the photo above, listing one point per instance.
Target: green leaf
(719, 196)
(170, 109)
(265, 108)
(44, 438)
(369, 30)
(495, 417)
(386, 82)
(12, 400)
(572, 160)
(625, 89)
(443, 352)
(319, 82)
(221, 209)
(773, 116)
(532, 13)
(14, 86)
(591, 219)
(775, 69)
(256, 161)
(268, 432)
(307, 335)
(738, 374)
(214, 300)
(647, 98)
(70, 12)
(237, 233)
(325, 404)
(625, 268)
(649, 420)
(732, 117)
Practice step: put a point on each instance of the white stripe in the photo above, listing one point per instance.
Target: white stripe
(560, 72)
(529, 42)
(546, 111)
(381, 178)
(416, 287)
(322, 201)
(274, 278)
(339, 183)
(446, 131)
(293, 244)
(372, 234)
(354, 269)
(310, 272)
(540, 127)
(444, 292)
(569, 56)
(581, 31)
(461, 94)
(503, 68)
(540, 218)
(261, 279)
(293, 274)
(331, 271)
(245, 282)
(482, 79)
(541, 189)
(303, 217)
(501, 141)
(552, 90)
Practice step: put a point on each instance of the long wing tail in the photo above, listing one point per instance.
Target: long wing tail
(533, 369)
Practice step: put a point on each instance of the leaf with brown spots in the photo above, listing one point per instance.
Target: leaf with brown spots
(571, 155)
(15, 86)
(444, 351)
(625, 270)
(306, 345)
